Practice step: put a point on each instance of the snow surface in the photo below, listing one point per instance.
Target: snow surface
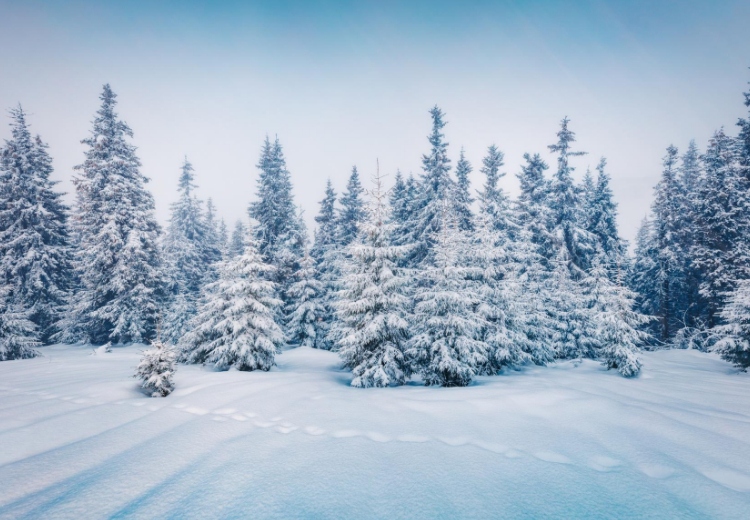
(78, 440)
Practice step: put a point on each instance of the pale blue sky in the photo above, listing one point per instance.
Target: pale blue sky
(344, 83)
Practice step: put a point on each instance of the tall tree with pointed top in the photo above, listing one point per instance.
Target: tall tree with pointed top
(278, 233)
(237, 242)
(435, 190)
(35, 252)
(493, 202)
(565, 204)
(371, 329)
(236, 326)
(352, 211)
(462, 199)
(601, 221)
(119, 266)
(306, 325)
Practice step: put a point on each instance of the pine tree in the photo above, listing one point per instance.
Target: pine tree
(156, 370)
(565, 204)
(213, 244)
(278, 233)
(237, 243)
(447, 347)
(642, 274)
(119, 267)
(371, 328)
(690, 185)
(462, 199)
(18, 335)
(532, 207)
(493, 282)
(223, 239)
(669, 273)
(326, 234)
(306, 325)
(326, 252)
(403, 198)
(35, 252)
(616, 326)
(493, 202)
(352, 211)
(601, 221)
(235, 326)
(734, 345)
(435, 189)
(721, 248)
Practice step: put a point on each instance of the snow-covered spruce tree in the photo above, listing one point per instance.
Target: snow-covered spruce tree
(435, 189)
(18, 335)
(530, 294)
(565, 205)
(187, 256)
(720, 252)
(493, 279)
(156, 370)
(532, 209)
(352, 211)
(213, 244)
(462, 199)
(669, 270)
(237, 242)
(118, 263)
(306, 325)
(403, 198)
(691, 179)
(734, 345)
(601, 221)
(278, 234)
(493, 202)
(223, 239)
(447, 349)
(642, 273)
(35, 252)
(326, 251)
(569, 312)
(371, 327)
(235, 325)
(616, 326)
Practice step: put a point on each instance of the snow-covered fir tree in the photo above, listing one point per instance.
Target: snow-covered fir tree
(213, 244)
(565, 205)
(493, 202)
(532, 210)
(601, 221)
(156, 369)
(669, 273)
(462, 199)
(35, 252)
(616, 326)
(306, 325)
(447, 348)
(642, 273)
(223, 239)
(372, 328)
(327, 252)
(352, 211)
(720, 251)
(494, 284)
(236, 323)
(435, 189)
(118, 264)
(237, 242)
(734, 345)
(403, 197)
(188, 257)
(278, 233)
(18, 335)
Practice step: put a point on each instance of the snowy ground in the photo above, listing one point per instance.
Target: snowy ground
(78, 440)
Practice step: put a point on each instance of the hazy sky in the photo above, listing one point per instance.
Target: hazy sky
(344, 83)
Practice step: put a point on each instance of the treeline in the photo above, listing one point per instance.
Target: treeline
(427, 278)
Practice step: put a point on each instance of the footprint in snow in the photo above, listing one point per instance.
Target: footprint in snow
(729, 478)
(603, 463)
(550, 456)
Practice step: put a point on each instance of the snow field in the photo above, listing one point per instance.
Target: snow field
(80, 441)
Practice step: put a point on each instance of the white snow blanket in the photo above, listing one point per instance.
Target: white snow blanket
(79, 440)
